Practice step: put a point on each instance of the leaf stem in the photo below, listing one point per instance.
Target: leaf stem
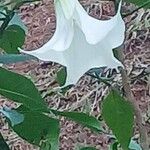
(131, 99)
(99, 78)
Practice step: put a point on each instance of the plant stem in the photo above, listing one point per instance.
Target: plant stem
(99, 79)
(131, 99)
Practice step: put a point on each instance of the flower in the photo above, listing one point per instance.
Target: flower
(80, 41)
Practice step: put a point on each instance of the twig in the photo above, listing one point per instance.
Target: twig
(131, 99)
(83, 99)
(99, 79)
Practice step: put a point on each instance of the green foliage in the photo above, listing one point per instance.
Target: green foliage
(140, 2)
(16, 20)
(35, 126)
(132, 146)
(29, 121)
(12, 38)
(20, 89)
(61, 76)
(118, 114)
(114, 146)
(3, 144)
(82, 118)
(38, 128)
(14, 58)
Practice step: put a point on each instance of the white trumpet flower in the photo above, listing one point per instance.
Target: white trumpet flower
(80, 41)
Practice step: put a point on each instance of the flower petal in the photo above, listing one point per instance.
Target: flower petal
(68, 7)
(117, 35)
(95, 30)
(64, 28)
(82, 56)
(61, 40)
(47, 55)
(82, 53)
(63, 35)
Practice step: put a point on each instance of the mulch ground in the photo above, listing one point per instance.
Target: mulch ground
(87, 94)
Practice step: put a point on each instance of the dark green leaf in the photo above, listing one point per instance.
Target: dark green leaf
(114, 146)
(14, 58)
(3, 144)
(82, 118)
(12, 38)
(16, 20)
(118, 114)
(20, 89)
(140, 2)
(61, 76)
(38, 128)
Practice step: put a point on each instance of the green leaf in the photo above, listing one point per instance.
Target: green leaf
(88, 148)
(140, 2)
(12, 115)
(12, 38)
(118, 114)
(114, 146)
(3, 144)
(16, 20)
(14, 58)
(82, 118)
(20, 89)
(37, 128)
(61, 76)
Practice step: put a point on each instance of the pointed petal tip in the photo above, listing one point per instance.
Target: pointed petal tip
(26, 52)
(21, 50)
(96, 30)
